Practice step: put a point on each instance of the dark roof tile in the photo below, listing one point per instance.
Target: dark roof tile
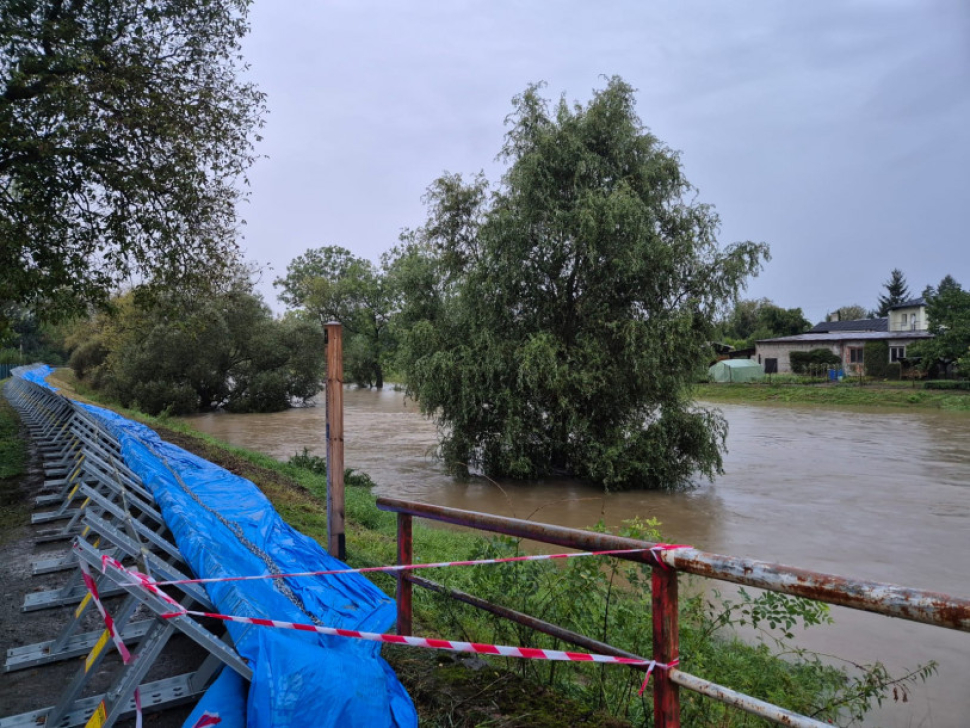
(876, 324)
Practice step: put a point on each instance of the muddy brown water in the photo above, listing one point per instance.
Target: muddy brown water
(871, 494)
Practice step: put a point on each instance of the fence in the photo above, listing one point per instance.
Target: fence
(6, 370)
(932, 608)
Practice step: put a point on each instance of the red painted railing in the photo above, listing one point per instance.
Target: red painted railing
(941, 610)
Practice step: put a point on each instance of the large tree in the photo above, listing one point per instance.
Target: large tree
(332, 284)
(223, 349)
(750, 320)
(564, 313)
(125, 133)
(948, 313)
(896, 292)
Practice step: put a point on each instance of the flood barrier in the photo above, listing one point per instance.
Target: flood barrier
(121, 492)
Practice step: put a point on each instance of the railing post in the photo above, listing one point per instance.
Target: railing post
(405, 555)
(666, 647)
(336, 540)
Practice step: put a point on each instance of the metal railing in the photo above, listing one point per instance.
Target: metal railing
(941, 610)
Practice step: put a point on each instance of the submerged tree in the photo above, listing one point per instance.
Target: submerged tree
(559, 319)
(896, 292)
(124, 135)
(332, 284)
(222, 348)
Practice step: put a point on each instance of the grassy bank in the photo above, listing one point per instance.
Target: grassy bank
(606, 600)
(13, 459)
(901, 396)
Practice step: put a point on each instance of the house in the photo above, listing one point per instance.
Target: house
(905, 325)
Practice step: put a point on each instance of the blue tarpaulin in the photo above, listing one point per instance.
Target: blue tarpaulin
(224, 526)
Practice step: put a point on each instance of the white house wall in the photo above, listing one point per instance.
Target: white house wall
(782, 349)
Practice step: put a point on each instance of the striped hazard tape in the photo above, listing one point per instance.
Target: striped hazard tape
(528, 653)
(657, 550)
(100, 714)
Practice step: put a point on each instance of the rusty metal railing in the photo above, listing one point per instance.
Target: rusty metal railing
(941, 610)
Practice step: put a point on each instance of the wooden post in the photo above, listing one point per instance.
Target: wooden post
(336, 540)
(666, 647)
(405, 555)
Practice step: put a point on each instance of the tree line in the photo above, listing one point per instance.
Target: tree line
(549, 321)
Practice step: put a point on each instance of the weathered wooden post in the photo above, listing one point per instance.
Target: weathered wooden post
(666, 647)
(336, 540)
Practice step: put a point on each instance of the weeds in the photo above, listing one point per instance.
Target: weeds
(13, 459)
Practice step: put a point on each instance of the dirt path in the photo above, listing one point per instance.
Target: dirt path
(34, 688)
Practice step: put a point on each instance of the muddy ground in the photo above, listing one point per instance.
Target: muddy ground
(39, 687)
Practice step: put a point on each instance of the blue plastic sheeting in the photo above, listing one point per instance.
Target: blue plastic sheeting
(299, 679)
(36, 374)
(225, 700)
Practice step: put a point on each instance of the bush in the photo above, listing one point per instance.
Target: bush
(947, 384)
(265, 391)
(806, 362)
(878, 366)
(158, 397)
(87, 357)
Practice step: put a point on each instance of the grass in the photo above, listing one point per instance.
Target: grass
(13, 460)
(889, 394)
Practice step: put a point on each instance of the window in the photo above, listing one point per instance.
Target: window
(855, 355)
(896, 353)
(771, 365)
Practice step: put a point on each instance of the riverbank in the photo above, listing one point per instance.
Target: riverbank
(579, 596)
(851, 394)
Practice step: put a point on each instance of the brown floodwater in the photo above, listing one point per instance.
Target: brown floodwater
(871, 494)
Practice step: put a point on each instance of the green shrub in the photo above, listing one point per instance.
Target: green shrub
(947, 384)
(814, 361)
(876, 357)
(158, 397)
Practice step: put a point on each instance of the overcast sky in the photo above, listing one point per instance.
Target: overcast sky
(837, 132)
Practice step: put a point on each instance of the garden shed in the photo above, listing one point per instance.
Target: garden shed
(736, 370)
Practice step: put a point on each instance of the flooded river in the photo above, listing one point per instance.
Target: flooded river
(871, 494)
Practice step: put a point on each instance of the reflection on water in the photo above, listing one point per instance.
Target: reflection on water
(872, 494)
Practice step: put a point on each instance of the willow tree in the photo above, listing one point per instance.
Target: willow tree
(125, 132)
(566, 310)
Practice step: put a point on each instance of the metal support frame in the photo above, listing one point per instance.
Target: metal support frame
(108, 511)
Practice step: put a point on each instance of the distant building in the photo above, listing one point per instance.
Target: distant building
(905, 325)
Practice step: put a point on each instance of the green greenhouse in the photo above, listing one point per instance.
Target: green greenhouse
(736, 370)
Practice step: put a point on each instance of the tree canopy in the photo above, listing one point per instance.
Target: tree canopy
(948, 312)
(896, 292)
(125, 133)
(332, 284)
(853, 312)
(558, 318)
(750, 320)
(224, 348)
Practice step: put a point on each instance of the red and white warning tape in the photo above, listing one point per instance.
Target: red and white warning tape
(112, 630)
(528, 653)
(657, 550)
(207, 719)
